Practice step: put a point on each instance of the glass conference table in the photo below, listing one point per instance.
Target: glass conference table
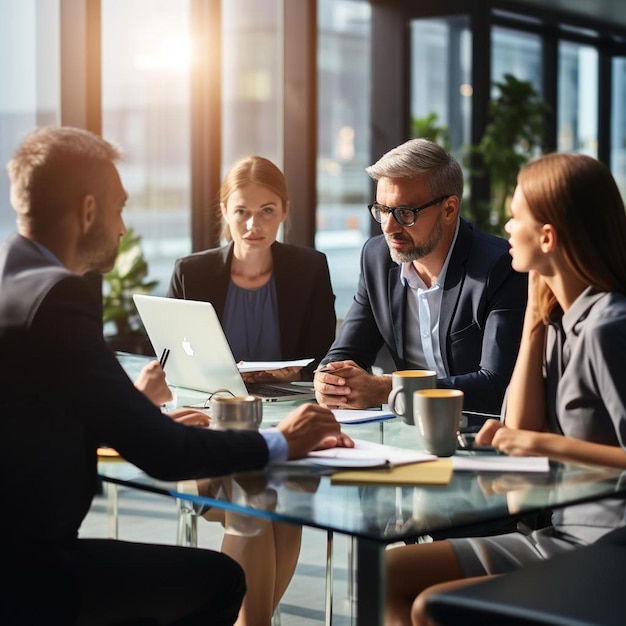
(377, 514)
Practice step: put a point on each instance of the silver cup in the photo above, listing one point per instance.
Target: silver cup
(236, 413)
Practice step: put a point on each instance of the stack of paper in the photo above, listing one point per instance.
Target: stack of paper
(356, 416)
(265, 366)
(364, 454)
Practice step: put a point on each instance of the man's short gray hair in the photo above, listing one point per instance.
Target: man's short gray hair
(421, 156)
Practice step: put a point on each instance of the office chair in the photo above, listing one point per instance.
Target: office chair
(578, 588)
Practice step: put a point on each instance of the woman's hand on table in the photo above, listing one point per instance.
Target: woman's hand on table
(511, 441)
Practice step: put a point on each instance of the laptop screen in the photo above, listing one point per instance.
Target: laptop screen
(200, 357)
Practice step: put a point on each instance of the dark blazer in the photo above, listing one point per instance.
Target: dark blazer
(482, 311)
(64, 393)
(306, 303)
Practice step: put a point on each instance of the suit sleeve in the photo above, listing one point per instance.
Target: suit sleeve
(322, 319)
(176, 287)
(497, 341)
(81, 374)
(359, 338)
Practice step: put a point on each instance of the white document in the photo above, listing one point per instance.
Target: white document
(364, 454)
(263, 366)
(500, 463)
(357, 416)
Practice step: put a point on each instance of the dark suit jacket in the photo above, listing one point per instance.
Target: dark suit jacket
(63, 393)
(306, 303)
(482, 311)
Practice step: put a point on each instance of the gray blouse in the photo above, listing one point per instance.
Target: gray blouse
(587, 347)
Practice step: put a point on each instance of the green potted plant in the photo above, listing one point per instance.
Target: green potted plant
(128, 276)
(428, 127)
(514, 134)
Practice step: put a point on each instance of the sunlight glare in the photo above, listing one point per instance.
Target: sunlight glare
(171, 54)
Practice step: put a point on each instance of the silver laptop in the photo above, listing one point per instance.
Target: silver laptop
(200, 357)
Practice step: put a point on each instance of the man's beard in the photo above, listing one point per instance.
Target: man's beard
(417, 252)
(99, 255)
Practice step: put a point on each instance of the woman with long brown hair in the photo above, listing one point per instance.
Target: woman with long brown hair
(567, 396)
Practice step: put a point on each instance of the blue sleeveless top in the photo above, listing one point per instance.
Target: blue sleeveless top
(251, 322)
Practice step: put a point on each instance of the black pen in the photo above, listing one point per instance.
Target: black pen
(164, 356)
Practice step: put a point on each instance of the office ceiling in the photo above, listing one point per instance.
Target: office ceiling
(607, 11)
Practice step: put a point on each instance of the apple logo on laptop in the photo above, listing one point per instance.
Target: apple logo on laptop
(187, 346)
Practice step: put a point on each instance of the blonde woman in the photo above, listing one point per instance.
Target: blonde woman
(275, 302)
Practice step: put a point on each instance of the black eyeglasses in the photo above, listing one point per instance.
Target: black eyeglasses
(404, 215)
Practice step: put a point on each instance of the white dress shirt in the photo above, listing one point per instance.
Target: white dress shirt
(423, 348)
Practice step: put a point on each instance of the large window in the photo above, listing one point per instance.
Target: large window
(252, 92)
(343, 187)
(146, 109)
(618, 124)
(517, 53)
(441, 86)
(30, 79)
(578, 99)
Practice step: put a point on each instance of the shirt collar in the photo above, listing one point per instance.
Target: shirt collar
(580, 308)
(408, 275)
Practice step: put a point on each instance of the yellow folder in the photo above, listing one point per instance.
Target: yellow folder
(437, 472)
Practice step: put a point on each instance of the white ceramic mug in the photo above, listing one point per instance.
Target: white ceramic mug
(404, 383)
(438, 413)
(236, 413)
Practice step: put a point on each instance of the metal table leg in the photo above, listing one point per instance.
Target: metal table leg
(370, 582)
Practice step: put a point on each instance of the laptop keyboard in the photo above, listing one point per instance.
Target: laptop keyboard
(271, 391)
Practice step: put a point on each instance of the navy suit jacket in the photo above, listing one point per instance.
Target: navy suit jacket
(64, 393)
(480, 326)
(305, 299)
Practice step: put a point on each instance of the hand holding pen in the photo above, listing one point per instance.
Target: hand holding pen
(164, 356)
(152, 383)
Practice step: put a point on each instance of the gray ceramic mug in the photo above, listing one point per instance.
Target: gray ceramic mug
(438, 415)
(236, 413)
(404, 383)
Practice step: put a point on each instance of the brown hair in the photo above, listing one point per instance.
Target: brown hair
(55, 167)
(578, 196)
(253, 170)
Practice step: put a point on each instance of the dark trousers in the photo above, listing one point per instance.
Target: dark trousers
(102, 582)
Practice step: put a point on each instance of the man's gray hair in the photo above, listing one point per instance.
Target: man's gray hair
(421, 156)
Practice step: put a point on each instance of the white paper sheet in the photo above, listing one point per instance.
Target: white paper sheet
(262, 366)
(364, 454)
(500, 463)
(358, 416)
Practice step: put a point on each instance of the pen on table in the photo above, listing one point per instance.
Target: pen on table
(163, 360)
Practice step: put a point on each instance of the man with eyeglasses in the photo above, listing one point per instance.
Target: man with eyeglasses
(436, 291)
